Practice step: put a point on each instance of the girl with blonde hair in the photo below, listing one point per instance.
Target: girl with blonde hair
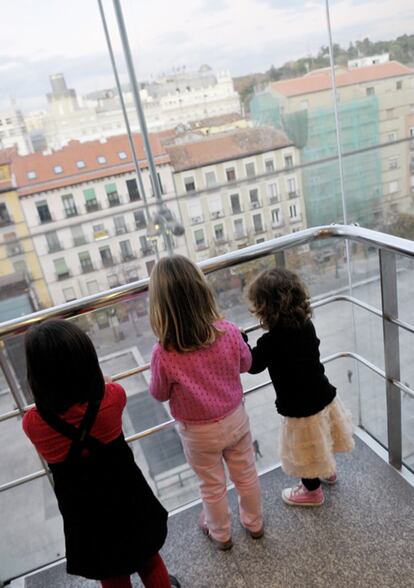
(196, 366)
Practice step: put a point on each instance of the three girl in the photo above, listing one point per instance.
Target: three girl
(315, 424)
(113, 524)
(196, 366)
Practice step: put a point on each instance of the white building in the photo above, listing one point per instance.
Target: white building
(86, 216)
(366, 61)
(236, 189)
(13, 131)
(178, 99)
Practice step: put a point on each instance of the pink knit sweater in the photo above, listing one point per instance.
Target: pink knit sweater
(202, 385)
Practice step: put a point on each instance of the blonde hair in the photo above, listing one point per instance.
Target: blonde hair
(182, 307)
(279, 297)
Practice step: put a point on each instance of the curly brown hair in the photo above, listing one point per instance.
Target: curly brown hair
(279, 297)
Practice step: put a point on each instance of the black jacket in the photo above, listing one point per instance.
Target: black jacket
(292, 358)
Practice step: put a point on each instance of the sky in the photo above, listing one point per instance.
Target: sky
(243, 36)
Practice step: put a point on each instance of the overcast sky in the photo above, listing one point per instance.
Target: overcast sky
(49, 36)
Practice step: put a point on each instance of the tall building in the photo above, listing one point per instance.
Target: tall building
(374, 103)
(22, 285)
(181, 98)
(13, 131)
(85, 212)
(237, 188)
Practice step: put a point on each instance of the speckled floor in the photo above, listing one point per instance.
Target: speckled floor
(362, 536)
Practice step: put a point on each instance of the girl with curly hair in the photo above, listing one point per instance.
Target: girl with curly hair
(315, 423)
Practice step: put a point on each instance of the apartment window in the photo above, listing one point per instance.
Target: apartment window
(189, 184)
(31, 175)
(199, 238)
(291, 187)
(13, 246)
(392, 136)
(288, 161)
(195, 212)
(120, 226)
(91, 203)
(393, 163)
(254, 198)
(126, 250)
(106, 256)
(211, 179)
(235, 203)
(239, 228)
(132, 275)
(370, 91)
(69, 294)
(398, 85)
(113, 280)
(231, 174)
(4, 215)
(257, 223)
(250, 169)
(393, 187)
(77, 235)
(86, 262)
(92, 287)
(61, 268)
(69, 205)
(133, 191)
(293, 213)
(215, 207)
(122, 155)
(80, 164)
(269, 166)
(219, 232)
(20, 266)
(53, 243)
(58, 169)
(146, 246)
(276, 218)
(43, 211)
(140, 220)
(273, 192)
(112, 193)
(101, 159)
(99, 232)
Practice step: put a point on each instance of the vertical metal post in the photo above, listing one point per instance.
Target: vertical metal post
(389, 297)
(124, 111)
(141, 116)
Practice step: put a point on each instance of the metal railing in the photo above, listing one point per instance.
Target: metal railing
(388, 245)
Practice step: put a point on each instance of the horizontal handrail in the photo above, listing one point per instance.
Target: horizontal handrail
(171, 423)
(128, 291)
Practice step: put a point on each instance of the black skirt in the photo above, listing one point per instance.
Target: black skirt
(113, 523)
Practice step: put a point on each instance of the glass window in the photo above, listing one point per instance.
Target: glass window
(120, 226)
(199, 238)
(288, 161)
(126, 250)
(69, 205)
(80, 164)
(61, 268)
(254, 198)
(112, 193)
(99, 232)
(273, 192)
(393, 163)
(53, 243)
(250, 169)
(43, 211)
(145, 244)
(77, 235)
(291, 186)
(189, 184)
(85, 261)
(399, 85)
(91, 202)
(140, 220)
(132, 275)
(69, 294)
(257, 223)
(20, 266)
(122, 155)
(235, 203)
(133, 191)
(239, 228)
(370, 91)
(231, 174)
(269, 166)
(58, 169)
(4, 215)
(219, 232)
(92, 287)
(13, 246)
(211, 179)
(393, 187)
(106, 256)
(31, 175)
(101, 159)
(276, 217)
(293, 211)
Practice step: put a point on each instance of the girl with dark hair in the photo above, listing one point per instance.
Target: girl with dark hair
(196, 366)
(315, 424)
(113, 524)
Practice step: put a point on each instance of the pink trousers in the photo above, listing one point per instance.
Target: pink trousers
(207, 446)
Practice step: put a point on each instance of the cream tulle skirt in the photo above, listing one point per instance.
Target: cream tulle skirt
(308, 445)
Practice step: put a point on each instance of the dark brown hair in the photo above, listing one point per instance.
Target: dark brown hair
(182, 306)
(279, 297)
(62, 366)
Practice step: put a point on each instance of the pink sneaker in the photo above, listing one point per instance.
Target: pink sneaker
(300, 496)
(331, 480)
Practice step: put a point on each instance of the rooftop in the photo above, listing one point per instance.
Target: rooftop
(226, 146)
(79, 162)
(321, 80)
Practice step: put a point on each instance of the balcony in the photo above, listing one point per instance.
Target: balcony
(87, 268)
(216, 214)
(195, 220)
(70, 212)
(362, 533)
(255, 204)
(148, 250)
(259, 229)
(128, 257)
(114, 201)
(108, 262)
(293, 194)
(54, 248)
(6, 220)
(274, 199)
(240, 235)
(79, 241)
(201, 245)
(92, 206)
(236, 210)
(63, 275)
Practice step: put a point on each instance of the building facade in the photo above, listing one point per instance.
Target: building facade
(237, 189)
(86, 214)
(23, 288)
(14, 132)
